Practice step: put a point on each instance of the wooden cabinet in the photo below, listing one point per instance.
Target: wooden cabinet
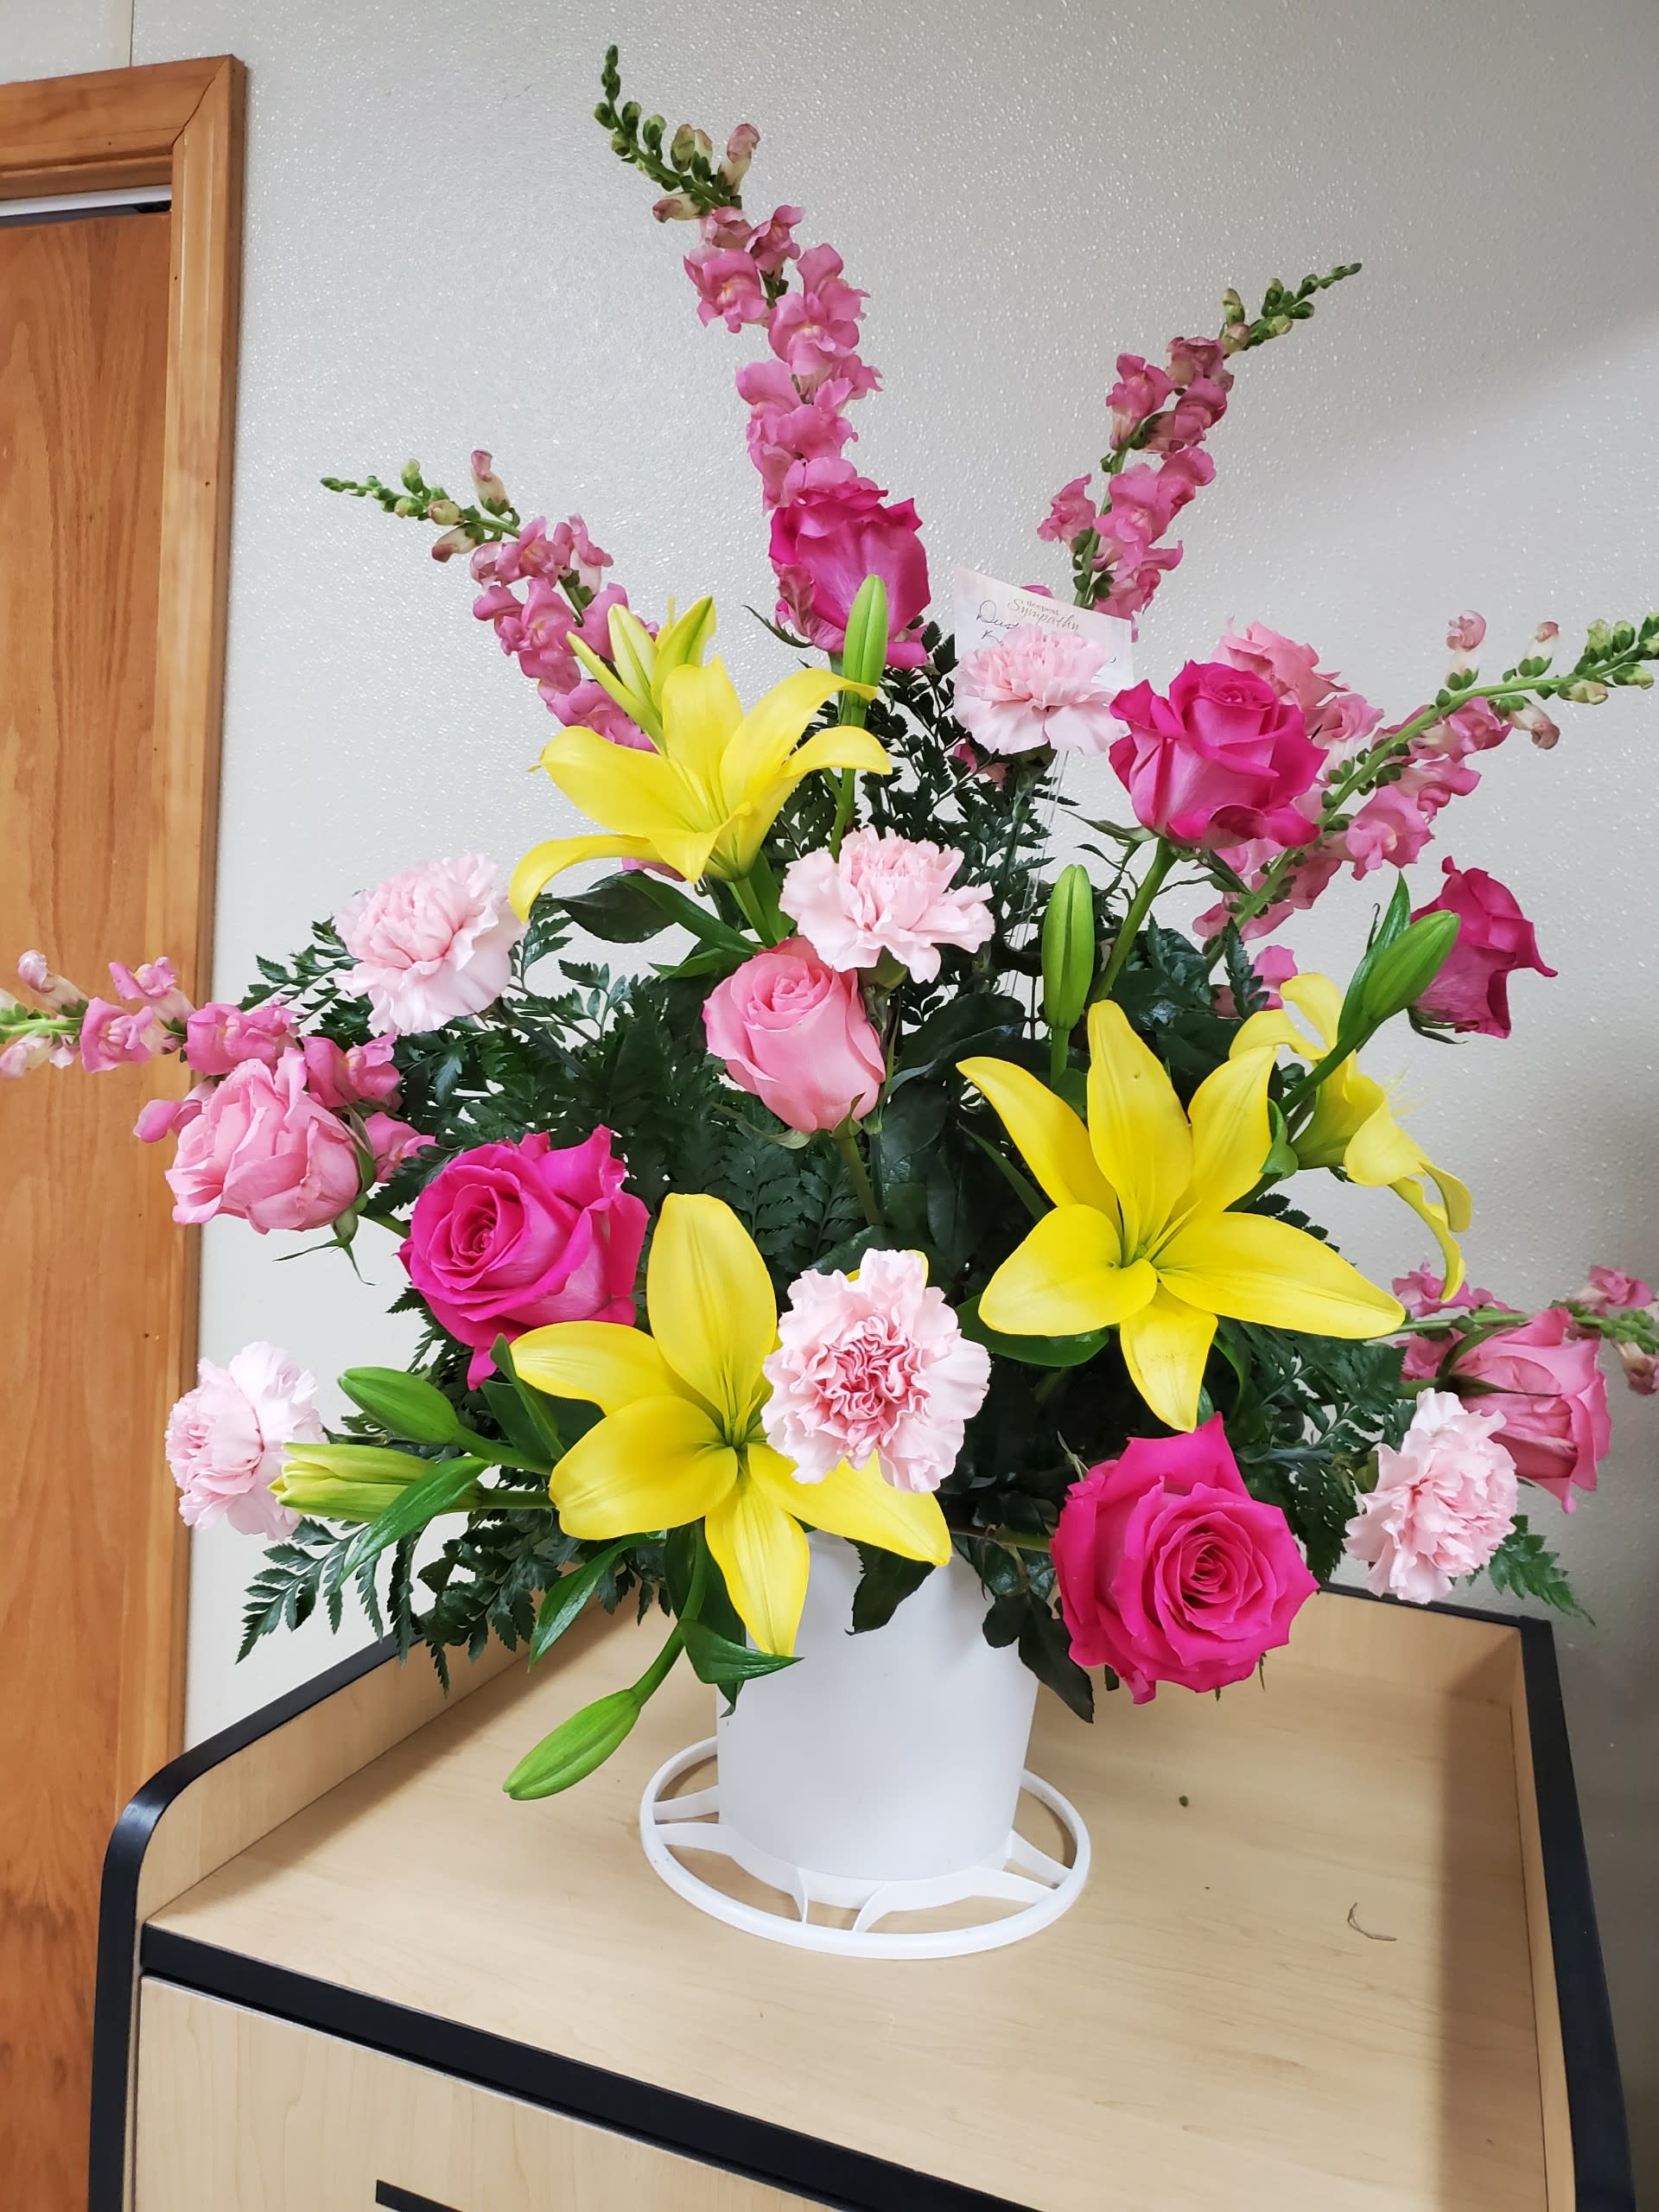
(238, 2109)
(1338, 1955)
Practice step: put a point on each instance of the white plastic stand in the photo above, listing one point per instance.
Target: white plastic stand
(880, 1776)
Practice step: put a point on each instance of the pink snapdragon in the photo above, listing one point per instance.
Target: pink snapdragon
(814, 331)
(218, 1036)
(1293, 669)
(1273, 964)
(1419, 1293)
(1191, 358)
(730, 287)
(886, 896)
(873, 1367)
(565, 595)
(1072, 513)
(1465, 635)
(1608, 1290)
(114, 1036)
(1037, 687)
(785, 431)
(1443, 1503)
(152, 983)
(226, 1439)
(1141, 389)
(365, 1073)
(431, 945)
(55, 990)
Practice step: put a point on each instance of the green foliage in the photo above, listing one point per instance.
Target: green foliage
(1524, 1566)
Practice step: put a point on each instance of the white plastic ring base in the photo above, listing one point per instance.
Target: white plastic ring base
(1021, 1874)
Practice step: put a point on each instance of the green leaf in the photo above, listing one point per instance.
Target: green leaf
(406, 1405)
(715, 1658)
(538, 1408)
(438, 1491)
(618, 911)
(563, 1600)
(886, 1582)
(1032, 1351)
(1046, 1650)
(575, 1747)
(1524, 1566)
(962, 1028)
(512, 1418)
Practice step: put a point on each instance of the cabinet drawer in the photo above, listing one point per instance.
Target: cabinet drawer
(237, 2112)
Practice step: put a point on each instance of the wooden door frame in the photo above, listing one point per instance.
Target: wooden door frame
(177, 123)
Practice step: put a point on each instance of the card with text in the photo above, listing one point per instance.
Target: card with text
(986, 611)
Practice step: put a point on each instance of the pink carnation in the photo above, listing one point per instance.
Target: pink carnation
(431, 945)
(224, 1440)
(885, 895)
(261, 1150)
(1037, 687)
(873, 1367)
(1443, 1503)
(1071, 512)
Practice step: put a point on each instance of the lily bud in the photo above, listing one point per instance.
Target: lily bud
(579, 1745)
(1400, 973)
(346, 1482)
(864, 651)
(403, 1404)
(1067, 950)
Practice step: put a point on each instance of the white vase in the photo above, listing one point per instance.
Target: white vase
(891, 1755)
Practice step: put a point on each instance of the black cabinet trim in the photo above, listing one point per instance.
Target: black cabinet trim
(828, 2173)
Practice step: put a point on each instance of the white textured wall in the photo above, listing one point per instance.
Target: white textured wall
(441, 251)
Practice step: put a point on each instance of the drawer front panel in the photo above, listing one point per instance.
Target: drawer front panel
(236, 2112)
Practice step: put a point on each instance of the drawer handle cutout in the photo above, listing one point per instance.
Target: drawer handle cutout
(391, 2198)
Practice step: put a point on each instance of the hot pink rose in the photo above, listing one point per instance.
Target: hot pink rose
(1554, 1421)
(512, 1237)
(1035, 687)
(794, 1033)
(1169, 1571)
(886, 894)
(875, 1369)
(261, 1150)
(1222, 758)
(224, 1440)
(1443, 1503)
(1494, 939)
(431, 945)
(218, 1036)
(832, 534)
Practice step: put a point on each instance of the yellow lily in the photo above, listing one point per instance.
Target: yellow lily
(640, 664)
(1141, 1235)
(1353, 1126)
(681, 1438)
(702, 802)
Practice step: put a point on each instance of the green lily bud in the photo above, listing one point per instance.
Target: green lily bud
(1399, 973)
(404, 1405)
(346, 1482)
(1067, 950)
(864, 653)
(576, 1746)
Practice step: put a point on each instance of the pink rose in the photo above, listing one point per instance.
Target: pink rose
(1071, 512)
(218, 1036)
(224, 1440)
(1494, 939)
(431, 945)
(1294, 670)
(512, 1237)
(261, 1150)
(1033, 687)
(1552, 1414)
(878, 1368)
(113, 1036)
(793, 1031)
(832, 534)
(1442, 1505)
(886, 894)
(165, 1117)
(1222, 758)
(1169, 1571)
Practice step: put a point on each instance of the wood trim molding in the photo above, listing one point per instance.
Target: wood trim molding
(180, 123)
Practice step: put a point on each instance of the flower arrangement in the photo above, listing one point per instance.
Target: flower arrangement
(918, 1189)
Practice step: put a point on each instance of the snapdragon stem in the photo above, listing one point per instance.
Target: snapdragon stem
(1150, 884)
(859, 1176)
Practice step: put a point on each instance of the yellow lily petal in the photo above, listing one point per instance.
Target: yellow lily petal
(1065, 1278)
(701, 710)
(637, 704)
(773, 726)
(858, 1504)
(1380, 1152)
(1269, 1029)
(1317, 997)
(632, 650)
(1434, 1217)
(684, 639)
(633, 793)
(551, 858)
(1255, 1269)
(1164, 1346)
(1455, 1196)
(1049, 1136)
(655, 1464)
(1230, 1134)
(1137, 1128)
(711, 1304)
(601, 1361)
(761, 1551)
